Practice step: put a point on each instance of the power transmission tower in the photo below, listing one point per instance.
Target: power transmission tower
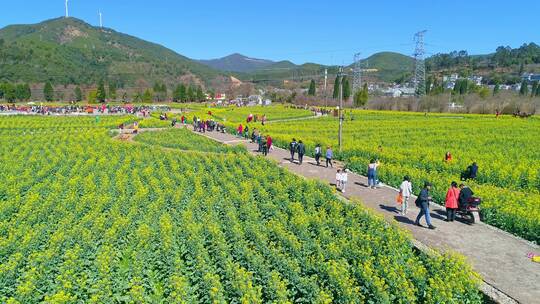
(419, 80)
(340, 111)
(357, 74)
(325, 83)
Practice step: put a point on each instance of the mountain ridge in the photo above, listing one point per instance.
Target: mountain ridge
(46, 51)
(236, 62)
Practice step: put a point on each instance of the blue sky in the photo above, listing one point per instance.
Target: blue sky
(328, 32)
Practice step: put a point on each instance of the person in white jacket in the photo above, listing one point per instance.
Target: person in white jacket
(338, 180)
(406, 191)
(344, 178)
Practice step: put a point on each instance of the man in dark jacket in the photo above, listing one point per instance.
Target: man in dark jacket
(465, 194)
(473, 171)
(292, 148)
(301, 151)
(422, 202)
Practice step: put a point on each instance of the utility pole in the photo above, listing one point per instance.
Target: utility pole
(325, 82)
(340, 111)
(357, 74)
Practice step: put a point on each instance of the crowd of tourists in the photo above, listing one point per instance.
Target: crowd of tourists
(202, 126)
(318, 111)
(456, 198)
(256, 118)
(73, 109)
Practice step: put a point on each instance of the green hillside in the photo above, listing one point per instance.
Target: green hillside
(389, 65)
(276, 73)
(68, 50)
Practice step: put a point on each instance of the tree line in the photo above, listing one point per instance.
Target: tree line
(107, 92)
(15, 92)
(360, 97)
(465, 86)
(504, 56)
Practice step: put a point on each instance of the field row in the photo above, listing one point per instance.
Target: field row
(506, 150)
(86, 218)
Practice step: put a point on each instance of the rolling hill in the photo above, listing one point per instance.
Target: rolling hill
(237, 63)
(70, 51)
(389, 65)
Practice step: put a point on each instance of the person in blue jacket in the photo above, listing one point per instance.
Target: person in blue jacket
(422, 202)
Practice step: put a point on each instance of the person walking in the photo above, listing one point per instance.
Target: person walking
(338, 180)
(301, 151)
(318, 151)
(240, 129)
(254, 135)
(246, 132)
(292, 148)
(259, 142)
(264, 147)
(422, 202)
(329, 155)
(372, 173)
(344, 179)
(451, 202)
(405, 191)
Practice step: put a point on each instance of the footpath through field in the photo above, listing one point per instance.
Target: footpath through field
(499, 257)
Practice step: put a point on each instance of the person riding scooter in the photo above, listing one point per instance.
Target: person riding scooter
(465, 194)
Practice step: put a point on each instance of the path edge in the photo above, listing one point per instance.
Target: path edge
(493, 293)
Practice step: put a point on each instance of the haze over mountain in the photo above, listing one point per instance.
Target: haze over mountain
(69, 50)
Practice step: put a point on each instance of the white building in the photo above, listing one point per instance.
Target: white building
(395, 92)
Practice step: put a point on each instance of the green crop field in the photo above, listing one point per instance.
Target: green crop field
(506, 150)
(87, 218)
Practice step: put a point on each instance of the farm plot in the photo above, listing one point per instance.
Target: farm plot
(506, 149)
(86, 218)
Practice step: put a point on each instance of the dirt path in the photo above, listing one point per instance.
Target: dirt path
(127, 134)
(500, 258)
(294, 119)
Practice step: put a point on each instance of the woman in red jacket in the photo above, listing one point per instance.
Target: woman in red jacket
(451, 202)
(268, 142)
(240, 130)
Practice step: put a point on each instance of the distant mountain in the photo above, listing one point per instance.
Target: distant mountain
(69, 50)
(286, 70)
(384, 66)
(237, 63)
